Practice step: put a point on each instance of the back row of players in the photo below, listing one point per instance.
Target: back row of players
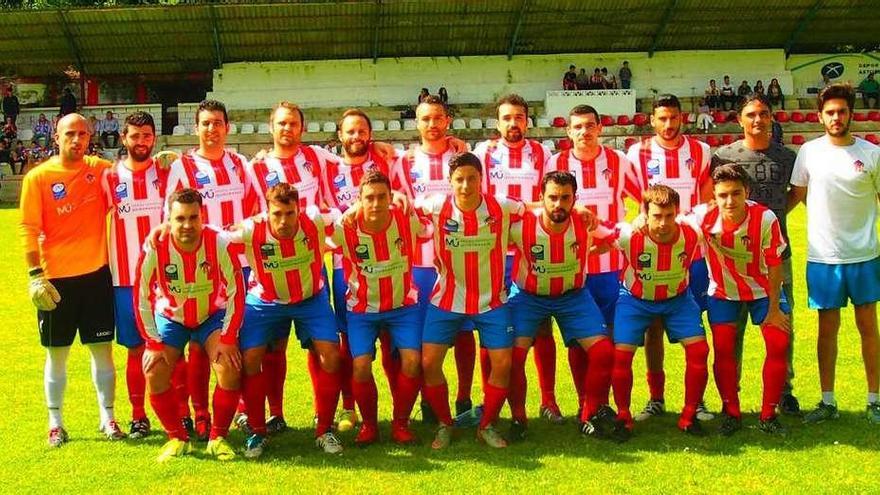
(509, 194)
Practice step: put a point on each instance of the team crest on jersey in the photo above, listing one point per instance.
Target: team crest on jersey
(362, 252)
(399, 244)
(859, 166)
(689, 163)
(171, 271)
(574, 247)
(59, 191)
(606, 174)
(90, 178)
(308, 166)
(490, 220)
(156, 184)
(267, 251)
(307, 242)
(205, 267)
(272, 179)
(450, 226)
(682, 257)
(537, 252)
(202, 178)
(339, 181)
(644, 260)
(121, 191)
(746, 241)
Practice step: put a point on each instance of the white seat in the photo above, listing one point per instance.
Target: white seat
(475, 124)
(531, 122)
(550, 144)
(233, 128)
(178, 130)
(399, 147)
(329, 127)
(491, 123)
(378, 125)
(393, 125)
(459, 124)
(543, 122)
(26, 134)
(409, 125)
(263, 128)
(313, 127)
(247, 128)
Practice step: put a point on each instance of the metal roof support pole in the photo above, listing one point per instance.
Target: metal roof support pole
(71, 42)
(516, 30)
(218, 48)
(802, 24)
(377, 25)
(667, 15)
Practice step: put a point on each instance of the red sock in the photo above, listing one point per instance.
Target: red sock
(696, 375)
(390, 363)
(776, 341)
(724, 343)
(485, 366)
(657, 384)
(180, 385)
(367, 398)
(518, 385)
(326, 397)
(407, 389)
(493, 400)
(577, 363)
(199, 376)
(597, 383)
(136, 383)
(275, 368)
(545, 363)
(465, 351)
(438, 398)
(253, 394)
(224, 404)
(622, 380)
(165, 406)
(345, 370)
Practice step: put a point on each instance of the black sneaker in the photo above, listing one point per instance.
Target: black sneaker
(789, 405)
(276, 425)
(517, 432)
(695, 429)
(772, 426)
(823, 412)
(463, 406)
(139, 428)
(428, 416)
(729, 425)
(603, 424)
(189, 426)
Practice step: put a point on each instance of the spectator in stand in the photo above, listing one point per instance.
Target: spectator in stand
(774, 94)
(759, 88)
(424, 93)
(94, 128)
(610, 80)
(10, 105)
(443, 95)
(6, 154)
(569, 79)
(583, 80)
(704, 117)
(110, 128)
(870, 89)
(42, 129)
(36, 153)
(713, 95)
(10, 132)
(68, 102)
(625, 75)
(728, 96)
(776, 132)
(597, 81)
(743, 90)
(19, 158)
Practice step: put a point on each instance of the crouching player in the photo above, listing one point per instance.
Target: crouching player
(189, 287)
(377, 243)
(655, 285)
(551, 249)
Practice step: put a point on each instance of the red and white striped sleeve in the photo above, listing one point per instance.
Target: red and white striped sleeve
(144, 299)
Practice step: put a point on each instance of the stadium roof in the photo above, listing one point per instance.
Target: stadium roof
(198, 36)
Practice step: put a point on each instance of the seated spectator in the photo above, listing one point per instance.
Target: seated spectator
(704, 117)
(42, 129)
(569, 79)
(774, 94)
(36, 153)
(10, 132)
(583, 80)
(625, 75)
(19, 158)
(759, 88)
(743, 90)
(6, 154)
(870, 89)
(424, 93)
(94, 127)
(110, 129)
(728, 96)
(610, 80)
(596, 80)
(443, 95)
(713, 95)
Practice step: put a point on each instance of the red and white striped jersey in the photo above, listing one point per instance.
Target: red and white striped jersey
(739, 257)
(189, 287)
(302, 170)
(471, 248)
(424, 174)
(603, 182)
(547, 263)
(136, 200)
(684, 169)
(378, 265)
(513, 172)
(657, 271)
(286, 271)
(341, 181)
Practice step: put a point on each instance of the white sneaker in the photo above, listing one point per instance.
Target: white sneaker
(329, 443)
(652, 408)
(703, 413)
(111, 430)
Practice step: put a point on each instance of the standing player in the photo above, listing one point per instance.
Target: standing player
(190, 288)
(550, 272)
(513, 166)
(63, 229)
(682, 163)
(604, 177)
(838, 175)
(769, 165)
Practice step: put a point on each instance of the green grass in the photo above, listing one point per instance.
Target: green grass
(829, 458)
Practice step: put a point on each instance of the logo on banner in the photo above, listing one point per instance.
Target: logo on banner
(832, 70)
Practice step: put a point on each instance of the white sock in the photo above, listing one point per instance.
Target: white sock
(873, 397)
(104, 378)
(828, 398)
(54, 383)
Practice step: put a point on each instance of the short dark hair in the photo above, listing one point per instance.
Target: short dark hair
(731, 172)
(185, 196)
(842, 91)
(283, 193)
(465, 159)
(666, 100)
(435, 100)
(660, 195)
(584, 110)
(560, 178)
(512, 99)
(354, 112)
(293, 107)
(212, 106)
(751, 98)
(374, 176)
(138, 119)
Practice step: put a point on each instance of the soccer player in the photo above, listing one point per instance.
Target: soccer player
(190, 288)
(769, 165)
(471, 233)
(513, 166)
(228, 197)
(604, 177)
(744, 245)
(655, 285)
(63, 231)
(838, 176)
(378, 243)
(550, 272)
(682, 163)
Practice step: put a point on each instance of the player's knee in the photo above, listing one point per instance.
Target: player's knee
(501, 363)
(361, 369)
(227, 376)
(330, 358)
(411, 364)
(252, 361)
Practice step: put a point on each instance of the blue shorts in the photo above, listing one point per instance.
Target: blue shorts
(680, 315)
(830, 286)
(605, 288)
(127, 333)
(404, 324)
(512, 289)
(724, 311)
(576, 314)
(425, 278)
(177, 335)
(267, 322)
(340, 286)
(496, 331)
(698, 281)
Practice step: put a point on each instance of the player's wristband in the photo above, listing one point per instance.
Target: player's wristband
(35, 272)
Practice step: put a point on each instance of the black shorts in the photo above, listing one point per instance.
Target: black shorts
(86, 304)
